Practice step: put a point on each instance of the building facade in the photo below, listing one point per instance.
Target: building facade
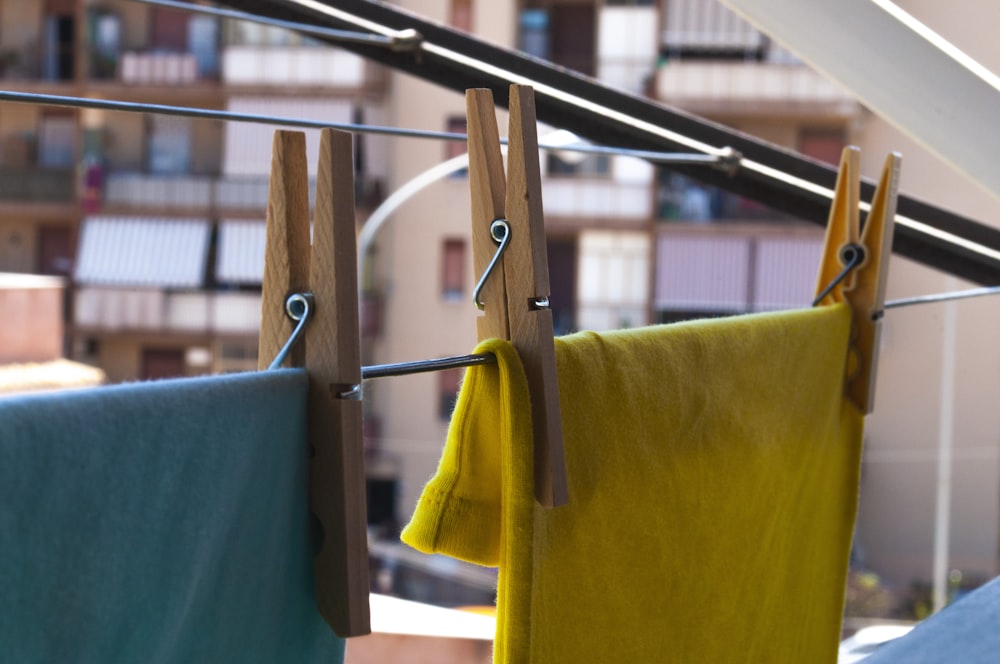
(158, 221)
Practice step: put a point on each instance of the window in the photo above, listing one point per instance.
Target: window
(534, 38)
(824, 144)
(169, 144)
(680, 198)
(565, 33)
(448, 384)
(461, 15)
(456, 124)
(235, 356)
(56, 139)
(453, 269)
(578, 164)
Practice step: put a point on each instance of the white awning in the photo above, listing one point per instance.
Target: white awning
(716, 272)
(703, 273)
(240, 257)
(143, 251)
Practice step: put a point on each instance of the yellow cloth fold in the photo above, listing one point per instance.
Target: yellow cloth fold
(713, 470)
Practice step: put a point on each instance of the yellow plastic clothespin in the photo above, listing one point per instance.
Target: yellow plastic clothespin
(517, 290)
(863, 287)
(330, 353)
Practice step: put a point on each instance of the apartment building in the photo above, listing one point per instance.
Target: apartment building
(632, 244)
(629, 243)
(158, 219)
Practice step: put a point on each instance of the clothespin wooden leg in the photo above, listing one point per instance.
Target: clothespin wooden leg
(516, 294)
(526, 273)
(333, 359)
(286, 259)
(488, 186)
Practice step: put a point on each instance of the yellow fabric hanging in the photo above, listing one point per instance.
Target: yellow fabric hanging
(713, 472)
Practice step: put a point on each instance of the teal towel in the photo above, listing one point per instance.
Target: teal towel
(160, 522)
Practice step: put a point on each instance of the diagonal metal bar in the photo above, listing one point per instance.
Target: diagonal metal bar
(769, 174)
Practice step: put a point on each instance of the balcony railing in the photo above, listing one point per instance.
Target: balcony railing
(292, 66)
(597, 198)
(168, 192)
(36, 62)
(157, 68)
(688, 83)
(200, 193)
(119, 310)
(37, 185)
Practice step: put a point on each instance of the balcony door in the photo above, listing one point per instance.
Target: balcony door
(59, 40)
(169, 147)
(162, 363)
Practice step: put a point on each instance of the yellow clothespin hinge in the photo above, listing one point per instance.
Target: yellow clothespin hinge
(855, 266)
(515, 296)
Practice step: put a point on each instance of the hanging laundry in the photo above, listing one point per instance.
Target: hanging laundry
(713, 475)
(160, 522)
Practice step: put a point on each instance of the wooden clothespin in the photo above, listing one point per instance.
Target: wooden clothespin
(515, 295)
(330, 352)
(863, 288)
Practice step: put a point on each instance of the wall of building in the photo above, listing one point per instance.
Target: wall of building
(18, 245)
(419, 323)
(20, 23)
(900, 478)
(32, 319)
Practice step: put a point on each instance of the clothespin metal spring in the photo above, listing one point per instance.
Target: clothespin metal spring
(852, 255)
(299, 307)
(500, 232)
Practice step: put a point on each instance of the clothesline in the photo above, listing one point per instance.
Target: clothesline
(475, 359)
(725, 159)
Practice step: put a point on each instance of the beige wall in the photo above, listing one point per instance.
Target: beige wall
(31, 315)
(121, 359)
(20, 23)
(418, 323)
(18, 245)
(125, 140)
(899, 485)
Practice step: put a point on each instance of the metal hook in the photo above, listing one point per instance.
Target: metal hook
(500, 232)
(299, 307)
(851, 256)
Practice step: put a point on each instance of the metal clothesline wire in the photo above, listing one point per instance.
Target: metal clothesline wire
(459, 361)
(726, 159)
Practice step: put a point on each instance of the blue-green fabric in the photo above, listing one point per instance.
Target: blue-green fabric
(160, 522)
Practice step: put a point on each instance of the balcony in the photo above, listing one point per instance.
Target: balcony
(592, 198)
(157, 68)
(202, 193)
(37, 185)
(160, 192)
(285, 66)
(735, 268)
(120, 310)
(36, 63)
(741, 87)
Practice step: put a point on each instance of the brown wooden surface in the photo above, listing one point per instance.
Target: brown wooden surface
(333, 359)
(526, 274)
(488, 188)
(286, 258)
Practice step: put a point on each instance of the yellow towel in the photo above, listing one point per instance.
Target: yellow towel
(713, 471)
